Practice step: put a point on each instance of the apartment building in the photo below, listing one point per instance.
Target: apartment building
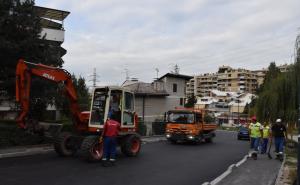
(226, 79)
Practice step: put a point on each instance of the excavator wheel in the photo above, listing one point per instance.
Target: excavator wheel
(91, 149)
(63, 144)
(131, 145)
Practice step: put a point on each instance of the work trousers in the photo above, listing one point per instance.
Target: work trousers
(279, 143)
(264, 145)
(109, 148)
(254, 142)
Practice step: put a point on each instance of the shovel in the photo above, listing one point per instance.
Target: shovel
(269, 154)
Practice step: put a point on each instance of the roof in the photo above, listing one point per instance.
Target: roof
(186, 77)
(50, 13)
(209, 100)
(145, 89)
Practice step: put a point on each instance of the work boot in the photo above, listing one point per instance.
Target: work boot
(105, 163)
(112, 162)
(254, 155)
(280, 156)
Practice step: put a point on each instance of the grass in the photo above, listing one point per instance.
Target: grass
(291, 161)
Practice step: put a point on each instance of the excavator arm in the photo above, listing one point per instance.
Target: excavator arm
(24, 72)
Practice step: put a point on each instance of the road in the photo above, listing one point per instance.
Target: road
(159, 163)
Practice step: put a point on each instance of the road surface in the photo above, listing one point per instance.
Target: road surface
(159, 163)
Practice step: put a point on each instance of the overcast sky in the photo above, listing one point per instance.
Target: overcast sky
(198, 35)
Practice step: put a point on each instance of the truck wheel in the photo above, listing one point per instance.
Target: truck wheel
(91, 149)
(172, 141)
(63, 144)
(131, 145)
(208, 140)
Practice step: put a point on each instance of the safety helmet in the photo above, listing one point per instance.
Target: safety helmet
(278, 120)
(253, 118)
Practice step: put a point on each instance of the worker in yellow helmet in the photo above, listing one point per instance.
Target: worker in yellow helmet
(256, 133)
(266, 137)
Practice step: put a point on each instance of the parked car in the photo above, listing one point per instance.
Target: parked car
(243, 133)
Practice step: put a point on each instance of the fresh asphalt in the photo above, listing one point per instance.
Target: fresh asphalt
(159, 163)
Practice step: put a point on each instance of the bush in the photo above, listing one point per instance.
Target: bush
(142, 128)
(12, 135)
(159, 128)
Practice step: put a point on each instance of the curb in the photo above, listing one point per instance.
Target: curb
(34, 150)
(279, 175)
(153, 140)
(27, 152)
(227, 172)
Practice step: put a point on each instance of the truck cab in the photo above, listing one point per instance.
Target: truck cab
(188, 125)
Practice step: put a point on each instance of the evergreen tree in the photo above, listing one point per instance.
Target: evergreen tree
(20, 38)
(191, 101)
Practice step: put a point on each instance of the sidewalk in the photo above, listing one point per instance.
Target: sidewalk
(41, 149)
(262, 171)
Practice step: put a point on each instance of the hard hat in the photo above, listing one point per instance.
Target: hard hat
(278, 120)
(253, 118)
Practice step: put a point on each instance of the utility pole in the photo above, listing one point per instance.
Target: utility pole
(157, 70)
(127, 73)
(297, 57)
(94, 77)
(176, 69)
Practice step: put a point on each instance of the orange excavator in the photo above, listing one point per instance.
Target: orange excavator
(88, 125)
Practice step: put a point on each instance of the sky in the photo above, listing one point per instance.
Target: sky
(198, 35)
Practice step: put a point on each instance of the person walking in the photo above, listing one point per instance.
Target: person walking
(110, 132)
(266, 137)
(255, 132)
(279, 133)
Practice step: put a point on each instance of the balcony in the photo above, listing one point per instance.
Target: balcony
(53, 34)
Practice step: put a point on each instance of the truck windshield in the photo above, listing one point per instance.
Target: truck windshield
(177, 117)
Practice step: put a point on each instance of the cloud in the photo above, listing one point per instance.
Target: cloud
(198, 35)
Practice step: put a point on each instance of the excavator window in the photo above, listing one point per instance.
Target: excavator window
(98, 107)
(115, 105)
(128, 115)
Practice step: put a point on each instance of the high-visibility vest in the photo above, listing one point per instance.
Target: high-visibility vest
(255, 129)
(266, 131)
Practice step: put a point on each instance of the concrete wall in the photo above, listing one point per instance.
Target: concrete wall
(155, 107)
(181, 85)
(52, 34)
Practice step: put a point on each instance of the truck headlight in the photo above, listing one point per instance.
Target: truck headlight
(168, 135)
(190, 137)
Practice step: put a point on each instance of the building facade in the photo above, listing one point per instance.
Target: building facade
(152, 100)
(226, 79)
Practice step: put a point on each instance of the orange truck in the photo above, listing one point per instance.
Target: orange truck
(188, 125)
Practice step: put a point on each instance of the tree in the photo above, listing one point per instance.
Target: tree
(20, 38)
(191, 101)
(83, 98)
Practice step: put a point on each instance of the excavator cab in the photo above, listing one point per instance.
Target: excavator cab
(112, 102)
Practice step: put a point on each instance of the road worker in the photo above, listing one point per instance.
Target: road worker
(255, 132)
(279, 133)
(110, 132)
(266, 137)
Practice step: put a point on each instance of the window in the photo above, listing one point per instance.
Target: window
(128, 101)
(181, 101)
(174, 87)
(128, 114)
